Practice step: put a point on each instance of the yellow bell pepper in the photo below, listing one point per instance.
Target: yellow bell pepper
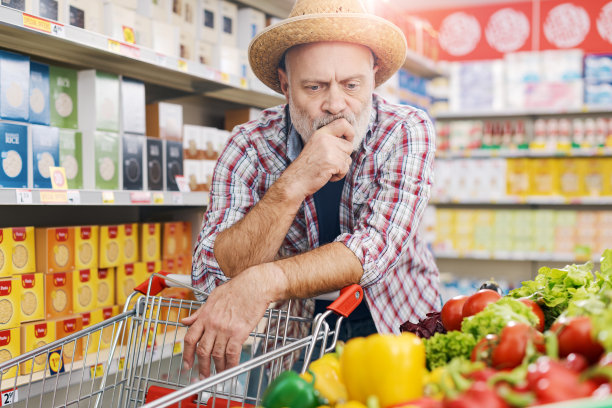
(391, 367)
(327, 378)
(351, 404)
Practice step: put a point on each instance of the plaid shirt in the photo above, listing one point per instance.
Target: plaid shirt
(385, 193)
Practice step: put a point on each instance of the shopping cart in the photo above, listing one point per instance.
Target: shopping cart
(135, 358)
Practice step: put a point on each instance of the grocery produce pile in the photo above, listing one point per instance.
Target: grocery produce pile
(549, 340)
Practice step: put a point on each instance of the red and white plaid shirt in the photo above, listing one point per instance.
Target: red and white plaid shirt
(385, 193)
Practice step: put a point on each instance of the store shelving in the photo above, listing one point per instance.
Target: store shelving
(534, 200)
(511, 113)
(509, 256)
(422, 66)
(513, 153)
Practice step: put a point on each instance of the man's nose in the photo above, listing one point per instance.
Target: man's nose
(334, 101)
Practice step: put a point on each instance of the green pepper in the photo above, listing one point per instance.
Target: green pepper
(291, 391)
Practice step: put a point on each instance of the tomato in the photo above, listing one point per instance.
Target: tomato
(537, 310)
(576, 362)
(483, 349)
(479, 301)
(510, 351)
(575, 336)
(452, 313)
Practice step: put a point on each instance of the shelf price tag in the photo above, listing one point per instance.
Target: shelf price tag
(108, 197)
(244, 83)
(177, 199)
(53, 197)
(121, 364)
(8, 397)
(225, 77)
(128, 35)
(140, 197)
(178, 347)
(96, 371)
(158, 198)
(74, 197)
(44, 25)
(182, 65)
(23, 196)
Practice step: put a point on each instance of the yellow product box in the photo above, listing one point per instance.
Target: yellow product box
(33, 336)
(10, 347)
(129, 238)
(543, 177)
(110, 246)
(55, 249)
(23, 250)
(32, 297)
(10, 299)
(128, 276)
(593, 176)
(183, 264)
(171, 243)
(169, 265)
(58, 294)
(5, 252)
(607, 183)
(72, 351)
(150, 241)
(571, 180)
(106, 287)
(186, 237)
(152, 267)
(109, 331)
(84, 287)
(86, 246)
(517, 177)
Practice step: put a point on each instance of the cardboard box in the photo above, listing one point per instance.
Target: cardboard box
(165, 38)
(119, 22)
(171, 239)
(187, 45)
(14, 155)
(63, 104)
(150, 242)
(186, 246)
(165, 121)
(39, 94)
(58, 294)
(106, 287)
(55, 249)
(235, 117)
(206, 54)
(593, 172)
(86, 14)
(66, 326)
(143, 31)
(250, 23)
(130, 4)
(129, 237)
(155, 165)
(183, 264)
(103, 90)
(45, 154)
(108, 332)
(10, 299)
(71, 157)
(191, 140)
(86, 246)
(571, 182)
(84, 287)
(208, 21)
(14, 86)
(191, 171)
(133, 116)
(174, 164)
(110, 246)
(50, 9)
(229, 21)
(230, 60)
(152, 267)
(33, 336)
(5, 252)
(10, 347)
(543, 177)
(128, 276)
(169, 265)
(184, 14)
(32, 297)
(133, 159)
(156, 9)
(23, 249)
(105, 172)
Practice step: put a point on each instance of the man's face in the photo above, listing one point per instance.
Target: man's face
(326, 81)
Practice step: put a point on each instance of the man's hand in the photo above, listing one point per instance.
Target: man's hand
(221, 326)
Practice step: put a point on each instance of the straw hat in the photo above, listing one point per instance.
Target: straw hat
(327, 20)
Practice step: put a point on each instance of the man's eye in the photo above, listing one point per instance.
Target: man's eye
(352, 85)
(313, 87)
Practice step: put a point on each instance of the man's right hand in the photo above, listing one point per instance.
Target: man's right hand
(326, 157)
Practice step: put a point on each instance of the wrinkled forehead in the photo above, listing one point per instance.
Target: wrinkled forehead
(324, 51)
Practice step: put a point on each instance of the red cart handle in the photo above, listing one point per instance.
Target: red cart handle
(157, 284)
(350, 297)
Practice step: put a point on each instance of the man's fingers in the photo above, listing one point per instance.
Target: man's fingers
(194, 333)
(341, 128)
(232, 353)
(218, 352)
(204, 350)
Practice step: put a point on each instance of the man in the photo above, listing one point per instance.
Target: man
(320, 193)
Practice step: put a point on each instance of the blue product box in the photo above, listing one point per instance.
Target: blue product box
(39, 94)
(14, 86)
(598, 68)
(13, 155)
(45, 154)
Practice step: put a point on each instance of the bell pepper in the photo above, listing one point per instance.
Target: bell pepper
(327, 382)
(391, 367)
(291, 391)
(478, 395)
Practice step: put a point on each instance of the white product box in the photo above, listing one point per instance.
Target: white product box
(562, 65)
(143, 31)
(477, 85)
(250, 23)
(229, 20)
(184, 14)
(208, 21)
(165, 120)
(206, 54)
(191, 142)
(187, 45)
(230, 60)
(207, 168)
(133, 116)
(130, 4)
(165, 38)
(119, 22)
(103, 90)
(85, 14)
(191, 171)
(159, 10)
(50, 9)
(14, 86)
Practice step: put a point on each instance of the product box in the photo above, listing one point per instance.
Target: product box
(152, 267)
(84, 287)
(571, 182)
(106, 287)
(86, 14)
(132, 159)
(22, 252)
(39, 94)
(543, 177)
(14, 86)
(184, 14)
(231, 60)
(517, 177)
(165, 38)
(127, 278)
(71, 157)
(207, 54)
(191, 141)
(33, 336)
(106, 334)
(55, 249)
(171, 239)
(102, 89)
(208, 21)
(235, 117)
(191, 171)
(183, 264)
(128, 234)
(119, 22)
(206, 174)
(174, 164)
(169, 265)
(110, 246)
(158, 10)
(49, 9)
(228, 17)
(32, 297)
(63, 92)
(143, 31)
(165, 120)
(86, 246)
(72, 351)
(150, 248)
(45, 154)
(58, 294)
(187, 45)
(105, 175)
(14, 155)
(10, 299)
(5, 252)
(10, 347)
(250, 23)
(186, 247)
(593, 172)
(133, 115)
(155, 164)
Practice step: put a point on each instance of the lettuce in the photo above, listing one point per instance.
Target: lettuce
(442, 348)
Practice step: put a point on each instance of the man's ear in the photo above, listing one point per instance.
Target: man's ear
(284, 82)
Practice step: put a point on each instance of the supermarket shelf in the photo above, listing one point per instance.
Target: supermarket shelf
(544, 200)
(492, 153)
(509, 113)
(276, 8)
(510, 256)
(422, 66)
(9, 196)
(75, 46)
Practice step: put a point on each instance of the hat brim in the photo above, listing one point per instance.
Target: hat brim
(384, 39)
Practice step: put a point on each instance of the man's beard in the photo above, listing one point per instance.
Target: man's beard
(306, 126)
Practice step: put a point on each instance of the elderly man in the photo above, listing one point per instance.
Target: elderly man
(325, 191)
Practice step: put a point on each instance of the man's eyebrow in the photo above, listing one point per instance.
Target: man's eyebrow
(324, 81)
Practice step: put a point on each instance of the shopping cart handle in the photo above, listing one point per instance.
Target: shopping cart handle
(350, 297)
(158, 283)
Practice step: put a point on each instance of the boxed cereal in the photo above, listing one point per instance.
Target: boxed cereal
(110, 246)
(39, 93)
(169, 265)
(55, 249)
(86, 246)
(14, 86)
(23, 252)
(84, 286)
(63, 93)
(33, 336)
(106, 287)
(10, 296)
(72, 351)
(10, 347)
(186, 238)
(129, 236)
(128, 276)
(5, 252)
(150, 241)
(32, 297)
(45, 154)
(58, 294)
(152, 267)
(71, 156)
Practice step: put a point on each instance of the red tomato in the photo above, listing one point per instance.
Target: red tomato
(537, 310)
(512, 345)
(483, 349)
(575, 336)
(452, 313)
(479, 301)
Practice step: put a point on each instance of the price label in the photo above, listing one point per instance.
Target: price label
(128, 35)
(114, 46)
(74, 197)
(23, 196)
(96, 370)
(53, 197)
(44, 25)
(121, 364)
(225, 77)
(58, 178)
(108, 197)
(8, 397)
(244, 83)
(182, 65)
(140, 197)
(158, 198)
(177, 199)
(178, 347)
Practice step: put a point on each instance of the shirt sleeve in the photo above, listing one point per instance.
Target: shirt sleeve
(397, 200)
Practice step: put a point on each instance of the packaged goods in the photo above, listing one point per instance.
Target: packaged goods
(84, 287)
(5, 253)
(98, 101)
(129, 238)
(132, 161)
(174, 164)
(150, 247)
(39, 94)
(22, 251)
(33, 336)
(10, 302)
(45, 154)
(32, 297)
(55, 249)
(14, 86)
(14, 152)
(58, 294)
(208, 22)
(71, 157)
(127, 278)
(86, 246)
(71, 351)
(165, 121)
(155, 165)
(172, 239)
(106, 287)
(63, 92)
(110, 252)
(9, 348)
